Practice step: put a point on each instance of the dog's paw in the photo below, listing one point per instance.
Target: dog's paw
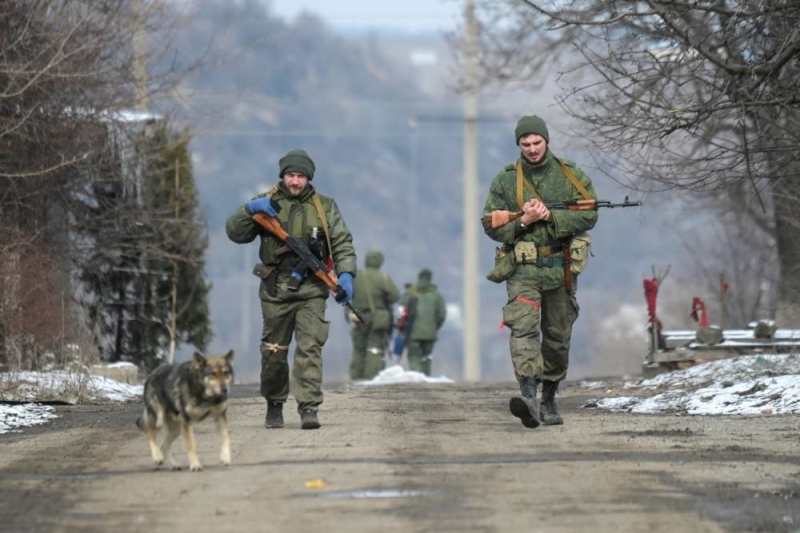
(225, 457)
(175, 468)
(196, 467)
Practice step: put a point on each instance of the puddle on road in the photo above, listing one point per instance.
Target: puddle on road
(371, 494)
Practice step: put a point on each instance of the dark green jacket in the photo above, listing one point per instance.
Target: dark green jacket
(427, 311)
(374, 290)
(296, 216)
(549, 181)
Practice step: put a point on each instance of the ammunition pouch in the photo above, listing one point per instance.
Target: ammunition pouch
(317, 243)
(525, 253)
(580, 249)
(504, 264)
(268, 273)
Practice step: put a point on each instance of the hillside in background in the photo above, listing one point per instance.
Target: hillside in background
(380, 119)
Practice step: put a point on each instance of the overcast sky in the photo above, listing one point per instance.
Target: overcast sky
(404, 15)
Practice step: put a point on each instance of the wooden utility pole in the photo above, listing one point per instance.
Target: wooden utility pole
(140, 54)
(471, 305)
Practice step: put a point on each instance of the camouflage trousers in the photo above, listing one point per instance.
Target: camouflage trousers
(369, 348)
(541, 328)
(305, 320)
(419, 358)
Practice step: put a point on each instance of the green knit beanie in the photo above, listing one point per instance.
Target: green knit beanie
(425, 273)
(529, 124)
(374, 259)
(296, 161)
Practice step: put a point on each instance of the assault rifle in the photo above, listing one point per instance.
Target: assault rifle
(308, 258)
(499, 218)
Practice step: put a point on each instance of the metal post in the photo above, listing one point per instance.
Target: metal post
(471, 305)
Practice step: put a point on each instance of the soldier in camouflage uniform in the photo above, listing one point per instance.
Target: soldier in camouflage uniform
(293, 300)
(426, 315)
(541, 304)
(375, 292)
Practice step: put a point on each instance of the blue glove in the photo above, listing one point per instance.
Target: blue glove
(262, 205)
(346, 283)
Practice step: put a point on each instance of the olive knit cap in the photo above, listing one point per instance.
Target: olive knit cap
(374, 259)
(425, 274)
(529, 124)
(296, 161)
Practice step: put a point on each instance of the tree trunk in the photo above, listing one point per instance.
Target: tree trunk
(786, 193)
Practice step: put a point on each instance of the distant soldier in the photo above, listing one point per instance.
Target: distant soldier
(292, 302)
(540, 260)
(375, 293)
(425, 313)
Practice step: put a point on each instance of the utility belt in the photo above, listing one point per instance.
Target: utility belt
(527, 253)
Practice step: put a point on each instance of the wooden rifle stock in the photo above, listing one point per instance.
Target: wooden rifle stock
(500, 218)
(307, 256)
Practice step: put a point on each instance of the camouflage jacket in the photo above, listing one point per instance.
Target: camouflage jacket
(427, 311)
(297, 216)
(552, 185)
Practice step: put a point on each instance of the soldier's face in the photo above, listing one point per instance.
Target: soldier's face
(295, 182)
(533, 147)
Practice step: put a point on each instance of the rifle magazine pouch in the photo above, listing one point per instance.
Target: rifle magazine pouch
(504, 264)
(580, 248)
(525, 252)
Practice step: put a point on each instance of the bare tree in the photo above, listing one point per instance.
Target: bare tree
(76, 79)
(696, 95)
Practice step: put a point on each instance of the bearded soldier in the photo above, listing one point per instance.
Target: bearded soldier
(538, 262)
(293, 301)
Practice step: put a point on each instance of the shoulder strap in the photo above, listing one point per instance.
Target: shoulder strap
(571, 177)
(270, 193)
(522, 182)
(324, 219)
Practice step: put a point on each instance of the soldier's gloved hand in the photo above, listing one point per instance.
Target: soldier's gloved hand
(346, 283)
(262, 205)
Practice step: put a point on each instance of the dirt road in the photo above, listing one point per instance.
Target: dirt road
(410, 458)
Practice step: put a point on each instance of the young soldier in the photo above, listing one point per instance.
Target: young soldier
(541, 304)
(293, 301)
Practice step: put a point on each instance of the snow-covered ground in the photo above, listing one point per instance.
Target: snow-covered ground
(747, 385)
(396, 374)
(69, 387)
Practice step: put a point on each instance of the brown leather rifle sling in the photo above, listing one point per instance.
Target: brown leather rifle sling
(586, 196)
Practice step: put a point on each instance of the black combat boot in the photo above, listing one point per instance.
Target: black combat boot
(274, 415)
(309, 420)
(526, 408)
(549, 414)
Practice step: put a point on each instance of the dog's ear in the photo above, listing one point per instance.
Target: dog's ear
(229, 357)
(199, 360)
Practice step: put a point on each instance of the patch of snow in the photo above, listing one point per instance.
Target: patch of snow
(746, 385)
(13, 417)
(65, 386)
(396, 374)
(120, 364)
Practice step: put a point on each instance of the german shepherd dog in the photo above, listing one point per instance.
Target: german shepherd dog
(178, 395)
